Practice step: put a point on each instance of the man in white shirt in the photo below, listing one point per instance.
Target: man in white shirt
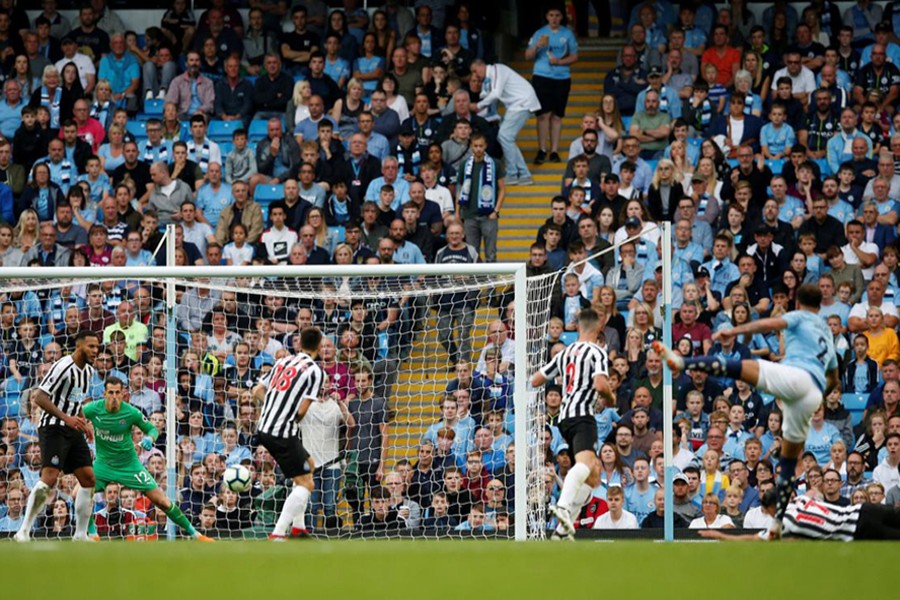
(499, 82)
(616, 517)
(857, 251)
(200, 148)
(278, 239)
(803, 81)
(86, 70)
(758, 517)
(857, 319)
(887, 473)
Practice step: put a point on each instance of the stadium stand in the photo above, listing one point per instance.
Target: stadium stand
(769, 137)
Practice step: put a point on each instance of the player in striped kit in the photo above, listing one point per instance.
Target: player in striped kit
(806, 518)
(287, 391)
(582, 367)
(802, 379)
(61, 434)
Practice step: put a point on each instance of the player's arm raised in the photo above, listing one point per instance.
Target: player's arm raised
(760, 326)
(42, 399)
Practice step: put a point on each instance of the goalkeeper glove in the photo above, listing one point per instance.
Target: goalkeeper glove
(147, 443)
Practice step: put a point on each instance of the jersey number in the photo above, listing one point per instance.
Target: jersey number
(283, 378)
(570, 377)
(824, 346)
(143, 478)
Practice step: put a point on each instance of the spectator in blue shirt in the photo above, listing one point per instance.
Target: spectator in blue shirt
(123, 72)
(776, 137)
(821, 436)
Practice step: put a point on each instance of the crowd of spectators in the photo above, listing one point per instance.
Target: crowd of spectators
(772, 145)
(358, 122)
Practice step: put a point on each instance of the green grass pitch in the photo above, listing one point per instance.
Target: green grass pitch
(447, 569)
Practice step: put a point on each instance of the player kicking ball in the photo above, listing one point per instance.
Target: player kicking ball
(583, 367)
(117, 461)
(802, 379)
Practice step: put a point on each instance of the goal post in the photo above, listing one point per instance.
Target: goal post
(420, 370)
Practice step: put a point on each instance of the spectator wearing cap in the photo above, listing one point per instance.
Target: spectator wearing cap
(771, 258)
(87, 72)
(650, 126)
(720, 268)
(669, 102)
(883, 34)
(681, 500)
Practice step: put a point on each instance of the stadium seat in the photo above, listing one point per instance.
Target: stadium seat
(775, 165)
(856, 404)
(153, 108)
(221, 131)
(732, 162)
(652, 164)
(266, 194)
(823, 166)
(338, 231)
(258, 130)
(568, 337)
(626, 121)
(137, 128)
(225, 147)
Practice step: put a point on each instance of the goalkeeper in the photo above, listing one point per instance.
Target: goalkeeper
(117, 460)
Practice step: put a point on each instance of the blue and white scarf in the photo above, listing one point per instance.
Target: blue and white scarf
(203, 159)
(101, 112)
(663, 100)
(704, 116)
(52, 106)
(701, 207)
(415, 160)
(487, 186)
(61, 173)
(153, 153)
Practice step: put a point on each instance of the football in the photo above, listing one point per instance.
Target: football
(237, 478)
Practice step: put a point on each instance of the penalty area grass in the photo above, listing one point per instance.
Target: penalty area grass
(259, 570)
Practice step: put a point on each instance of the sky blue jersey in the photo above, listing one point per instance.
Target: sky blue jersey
(809, 345)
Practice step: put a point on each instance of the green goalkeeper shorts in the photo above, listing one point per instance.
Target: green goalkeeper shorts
(134, 476)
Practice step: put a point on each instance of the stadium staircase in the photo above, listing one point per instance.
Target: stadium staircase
(416, 398)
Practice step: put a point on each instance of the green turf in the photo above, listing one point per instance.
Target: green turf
(474, 570)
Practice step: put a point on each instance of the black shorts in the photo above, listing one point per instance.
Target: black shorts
(553, 94)
(63, 448)
(580, 434)
(289, 453)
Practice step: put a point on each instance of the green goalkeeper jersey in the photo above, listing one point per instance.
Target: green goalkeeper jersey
(112, 432)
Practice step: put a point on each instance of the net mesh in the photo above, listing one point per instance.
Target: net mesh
(440, 352)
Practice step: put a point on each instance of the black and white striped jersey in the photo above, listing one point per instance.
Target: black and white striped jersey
(291, 380)
(68, 386)
(577, 366)
(820, 520)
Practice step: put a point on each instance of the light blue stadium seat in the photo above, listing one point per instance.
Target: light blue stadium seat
(268, 193)
(568, 337)
(221, 131)
(626, 121)
(383, 345)
(856, 404)
(652, 164)
(733, 162)
(154, 108)
(258, 130)
(137, 128)
(339, 232)
(776, 165)
(823, 165)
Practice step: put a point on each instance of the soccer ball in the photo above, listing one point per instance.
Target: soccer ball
(237, 478)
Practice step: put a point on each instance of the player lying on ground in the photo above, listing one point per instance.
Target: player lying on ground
(806, 518)
(117, 460)
(61, 434)
(287, 390)
(582, 367)
(802, 379)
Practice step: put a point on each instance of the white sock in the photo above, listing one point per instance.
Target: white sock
(295, 502)
(300, 518)
(574, 479)
(37, 499)
(583, 495)
(84, 506)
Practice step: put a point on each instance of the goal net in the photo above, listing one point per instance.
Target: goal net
(426, 426)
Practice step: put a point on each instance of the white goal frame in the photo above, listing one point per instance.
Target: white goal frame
(172, 274)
